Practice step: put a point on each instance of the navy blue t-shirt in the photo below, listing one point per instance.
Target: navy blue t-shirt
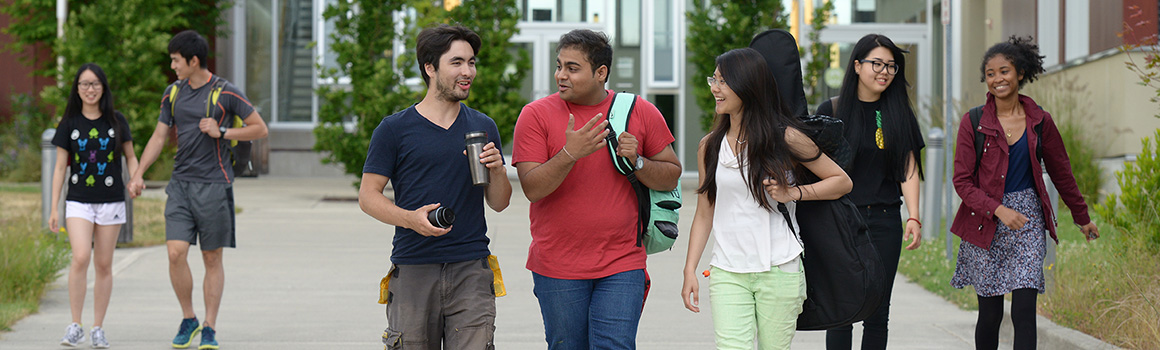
(1019, 166)
(425, 165)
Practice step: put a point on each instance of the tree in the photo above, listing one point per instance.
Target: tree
(502, 66)
(363, 41)
(31, 22)
(819, 53)
(127, 38)
(716, 26)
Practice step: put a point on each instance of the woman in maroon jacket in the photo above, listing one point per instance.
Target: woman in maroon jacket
(1005, 205)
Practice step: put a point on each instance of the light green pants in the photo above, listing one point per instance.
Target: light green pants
(765, 303)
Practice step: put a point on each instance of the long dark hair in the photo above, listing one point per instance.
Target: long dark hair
(765, 118)
(898, 120)
(75, 105)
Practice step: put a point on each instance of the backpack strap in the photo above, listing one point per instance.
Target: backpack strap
(173, 90)
(975, 114)
(1039, 138)
(618, 114)
(789, 221)
(215, 93)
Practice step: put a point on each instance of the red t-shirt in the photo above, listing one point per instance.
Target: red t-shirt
(586, 228)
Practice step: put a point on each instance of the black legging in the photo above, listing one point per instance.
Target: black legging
(1022, 318)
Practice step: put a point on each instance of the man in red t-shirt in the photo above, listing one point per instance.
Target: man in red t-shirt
(588, 271)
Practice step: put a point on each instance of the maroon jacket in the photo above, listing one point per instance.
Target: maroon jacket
(982, 193)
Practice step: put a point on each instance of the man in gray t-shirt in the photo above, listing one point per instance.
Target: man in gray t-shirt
(200, 204)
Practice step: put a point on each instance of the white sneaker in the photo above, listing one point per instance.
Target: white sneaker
(98, 337)
(73, 335)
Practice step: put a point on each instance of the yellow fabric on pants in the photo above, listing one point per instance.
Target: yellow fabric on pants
(765, 304)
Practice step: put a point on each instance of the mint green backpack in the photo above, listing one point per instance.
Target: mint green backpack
(658, 210)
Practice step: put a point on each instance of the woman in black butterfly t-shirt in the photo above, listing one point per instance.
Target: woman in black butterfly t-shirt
(91, 139)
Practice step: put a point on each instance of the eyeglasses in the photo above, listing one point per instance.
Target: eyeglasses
(89, 85)
(878, 66)
(714, 82)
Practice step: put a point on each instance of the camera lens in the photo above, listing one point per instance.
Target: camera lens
(441, 217)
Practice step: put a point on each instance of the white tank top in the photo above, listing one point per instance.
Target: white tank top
(747, 238)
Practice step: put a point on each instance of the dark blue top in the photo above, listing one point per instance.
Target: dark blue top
(425, 165)
(1019, 166)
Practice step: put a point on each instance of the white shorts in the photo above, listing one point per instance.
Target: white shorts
(98, 213)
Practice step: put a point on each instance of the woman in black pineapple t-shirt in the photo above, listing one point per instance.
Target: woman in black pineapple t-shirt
(884, 134)
(91, 139)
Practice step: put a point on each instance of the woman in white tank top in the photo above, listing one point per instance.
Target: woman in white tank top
(746, 167)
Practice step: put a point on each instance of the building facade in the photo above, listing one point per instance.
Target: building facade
(276, 43)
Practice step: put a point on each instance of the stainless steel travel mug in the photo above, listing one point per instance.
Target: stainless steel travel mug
(474, 142)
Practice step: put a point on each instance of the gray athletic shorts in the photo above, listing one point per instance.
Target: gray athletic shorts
(197, 211)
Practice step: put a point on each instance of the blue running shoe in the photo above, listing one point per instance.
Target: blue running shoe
(185, 333)
(208, 339)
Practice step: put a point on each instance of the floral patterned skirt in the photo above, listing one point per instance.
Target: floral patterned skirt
(1015, 260)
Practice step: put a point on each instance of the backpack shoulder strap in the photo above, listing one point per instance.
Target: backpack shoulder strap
(618, 115)
(975, 115)
(214, 92)
(173, 89)
(1039, 138)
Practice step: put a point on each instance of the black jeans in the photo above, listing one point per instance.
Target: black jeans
(885, 223)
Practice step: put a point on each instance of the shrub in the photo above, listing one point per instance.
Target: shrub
(1066, 100)
(362, 45)
(1085, 164)
(20, 139)
(1136, 210)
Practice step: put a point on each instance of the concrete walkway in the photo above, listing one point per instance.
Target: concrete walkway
(306, 273)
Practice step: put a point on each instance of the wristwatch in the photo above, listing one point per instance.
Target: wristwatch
(222, 128)
(639, 162)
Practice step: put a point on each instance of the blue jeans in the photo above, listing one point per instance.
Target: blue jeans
(600, 313)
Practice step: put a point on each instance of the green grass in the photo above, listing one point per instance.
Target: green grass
(148, 223)
(1108, 288)
(19, 187)
(31, 257)
(928, 266)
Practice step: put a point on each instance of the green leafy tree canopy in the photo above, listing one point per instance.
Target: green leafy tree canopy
(127, 38)
(716, 26)
(363, 42)
(31, 22)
